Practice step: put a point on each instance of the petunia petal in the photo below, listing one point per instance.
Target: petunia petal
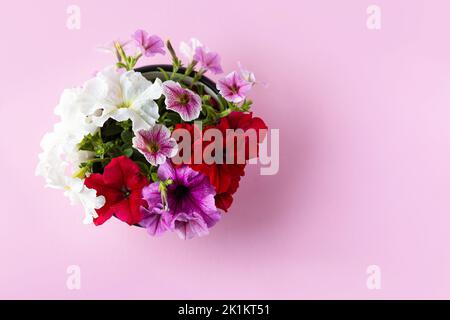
(190, 226)
(154, 221)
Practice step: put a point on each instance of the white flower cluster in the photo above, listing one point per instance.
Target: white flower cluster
(110, 94)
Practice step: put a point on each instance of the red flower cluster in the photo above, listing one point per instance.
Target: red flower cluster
(121, 184)
(225, 177)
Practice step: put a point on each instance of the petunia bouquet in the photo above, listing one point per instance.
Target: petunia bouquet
(162, 146)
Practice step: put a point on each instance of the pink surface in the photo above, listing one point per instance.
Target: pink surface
(365, 154)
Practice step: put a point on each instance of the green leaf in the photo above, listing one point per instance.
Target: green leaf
(200, 90)
(120, 65)
(144, 167)
(128, 152)
(246, 105)
(166, 76)
(111, 129)
(91, 142)
(205, 98)
(154, 176)
(126, 136)
(126, 125)
(173, 117)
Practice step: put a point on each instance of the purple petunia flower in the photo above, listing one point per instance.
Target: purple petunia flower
(155, 144)
(208, 60)
(154, 220)
(187, 226)
(183, 101)
(150, 45)
(191, 208)
(233, 87)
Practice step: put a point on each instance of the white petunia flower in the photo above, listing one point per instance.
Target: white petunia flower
(188, 49)
(60, 154)
(246, 74)
(73, 123)
(121, 96)
(77, 192)
(54, 168)
(110, 94)
(52, 165)
(249, 76)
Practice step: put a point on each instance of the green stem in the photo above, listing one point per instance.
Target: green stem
(161, 119)
(122, 55)
(98, 160)
(197, 77)
(127, 62)
(174, 71)
(224, 113)
(176, 62)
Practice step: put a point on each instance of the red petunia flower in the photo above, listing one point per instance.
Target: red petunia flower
(246, 121)
(121, 184)
(225, 177)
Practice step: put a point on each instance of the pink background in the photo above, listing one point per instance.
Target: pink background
(365, 153)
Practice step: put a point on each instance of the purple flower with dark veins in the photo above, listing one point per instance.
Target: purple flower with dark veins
(208, 60)
(188, 226)
(154, 220)
(155, 144)
(149, 45)
(233, 87)
(183, 101)
(185, 205)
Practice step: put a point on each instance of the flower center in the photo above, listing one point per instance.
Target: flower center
(153, 147)
(124, 105)
(125, 191)
(234, 89)
(184, 98)
(181, 191)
